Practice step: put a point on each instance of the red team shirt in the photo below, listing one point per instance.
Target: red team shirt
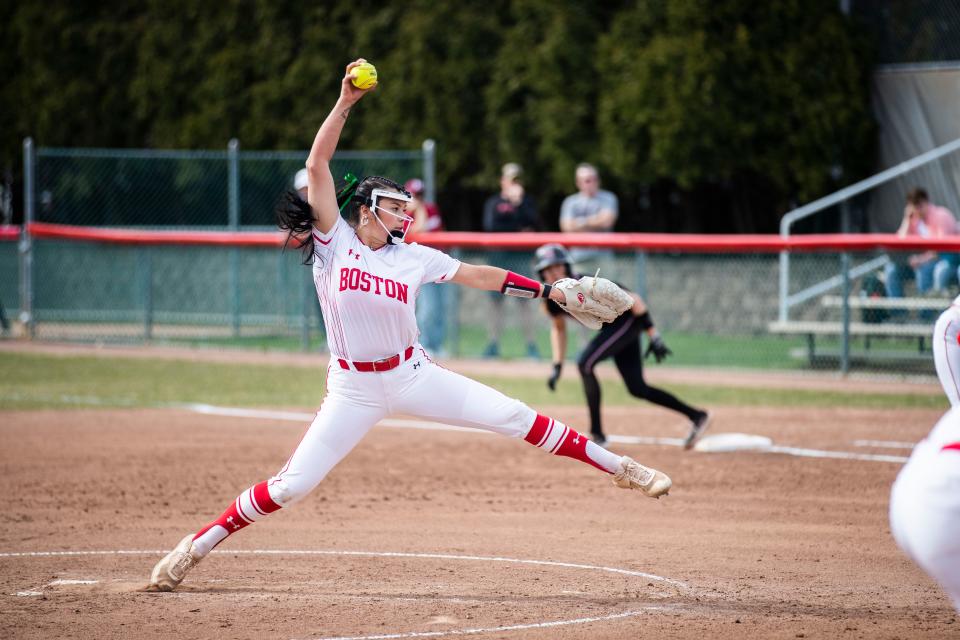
(368, 296)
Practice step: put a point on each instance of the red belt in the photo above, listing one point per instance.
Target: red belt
(377, 366)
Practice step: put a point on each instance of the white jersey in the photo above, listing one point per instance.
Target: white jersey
(368, 296)
(946, 351)
(925, 505)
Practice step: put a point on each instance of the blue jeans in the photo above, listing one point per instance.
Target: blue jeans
(945, 272)
(432, 316)
(924, 275)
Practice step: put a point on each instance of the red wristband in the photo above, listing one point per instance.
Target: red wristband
(520, 286)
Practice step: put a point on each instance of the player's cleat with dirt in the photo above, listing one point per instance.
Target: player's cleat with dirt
(170, 572)
(697, 427)
(633, 475)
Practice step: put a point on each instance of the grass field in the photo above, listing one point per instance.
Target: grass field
(35, 381)
(689, 349)
(753, 352)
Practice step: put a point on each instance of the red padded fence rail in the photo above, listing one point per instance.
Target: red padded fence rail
(657, 242)
(9, 233)
(140, 237)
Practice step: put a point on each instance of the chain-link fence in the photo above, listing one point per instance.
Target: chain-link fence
(727, 307)
(876, 309)
(10, 282)
(115, 292)
(106, 291)
(189, 189)
(867, 310)
(715, 310)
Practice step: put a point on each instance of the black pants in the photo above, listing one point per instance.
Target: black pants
(621, 341)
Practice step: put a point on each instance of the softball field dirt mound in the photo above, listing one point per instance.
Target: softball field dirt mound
(423, 533)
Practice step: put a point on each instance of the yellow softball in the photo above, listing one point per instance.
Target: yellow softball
(364, 75)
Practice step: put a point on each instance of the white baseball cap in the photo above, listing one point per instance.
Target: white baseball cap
(300, 180)
(511, 170)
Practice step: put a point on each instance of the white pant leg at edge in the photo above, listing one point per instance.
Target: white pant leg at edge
(925, 514)
(429, 391)
(946, 353)
(353, 404)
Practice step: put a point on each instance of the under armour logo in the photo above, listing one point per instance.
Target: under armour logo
(576, 440)
(231, 523)
(416, 365)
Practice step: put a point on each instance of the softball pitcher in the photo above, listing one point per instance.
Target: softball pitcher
(925, 505)
(619, 340)
(367, 280)
(946, 351)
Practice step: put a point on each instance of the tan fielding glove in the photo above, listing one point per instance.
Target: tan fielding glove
(593, 301)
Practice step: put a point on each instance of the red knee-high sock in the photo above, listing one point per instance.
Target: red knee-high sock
(561, 440)
(250, 506)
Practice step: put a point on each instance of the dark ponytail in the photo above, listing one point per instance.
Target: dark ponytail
(295, 216)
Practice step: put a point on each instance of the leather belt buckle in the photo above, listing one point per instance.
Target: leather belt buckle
(386, 364)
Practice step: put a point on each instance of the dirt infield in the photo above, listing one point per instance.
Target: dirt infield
(748, 545)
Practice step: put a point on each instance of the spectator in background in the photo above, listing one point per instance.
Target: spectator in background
(930, 269)
(510, 210)
(590, 210)
(426, 215)
(432, 303)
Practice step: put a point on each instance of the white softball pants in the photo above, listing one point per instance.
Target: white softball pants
(946, 352)
(925, 506)
(356, 401)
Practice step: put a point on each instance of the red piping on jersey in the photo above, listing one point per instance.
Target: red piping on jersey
(335, 309)
(953, 446)
(326, 306)
(317, 237)
(286, 466)
(335, 323)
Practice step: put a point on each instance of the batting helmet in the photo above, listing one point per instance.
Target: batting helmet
(551, 254)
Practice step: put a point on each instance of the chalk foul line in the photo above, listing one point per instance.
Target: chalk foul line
(396, 554)
(293, 416)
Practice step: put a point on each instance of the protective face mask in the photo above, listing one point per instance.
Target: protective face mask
(395, 236)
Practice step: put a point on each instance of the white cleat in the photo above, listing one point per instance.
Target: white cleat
(170, 571)
(633, 475)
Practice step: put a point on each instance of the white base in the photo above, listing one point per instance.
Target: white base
(723, 442)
